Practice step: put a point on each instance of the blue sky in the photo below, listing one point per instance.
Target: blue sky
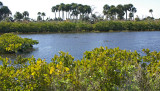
(34, 6)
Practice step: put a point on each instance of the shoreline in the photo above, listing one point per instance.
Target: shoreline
(80, 27)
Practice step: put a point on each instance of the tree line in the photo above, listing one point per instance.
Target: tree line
(76, 11)
(72, 10)
(117, 12)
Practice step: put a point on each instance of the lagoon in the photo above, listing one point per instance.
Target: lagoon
(77, 43)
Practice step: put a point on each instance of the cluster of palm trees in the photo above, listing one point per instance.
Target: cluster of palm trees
(76, 11)
(19, 16)
(117, 12)
(72, 11)
(4, 11)
(40, 15)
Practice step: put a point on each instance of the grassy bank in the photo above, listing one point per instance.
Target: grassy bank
(64, 26)
(100, 69)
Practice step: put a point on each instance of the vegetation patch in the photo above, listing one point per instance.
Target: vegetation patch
(100, 69)
(68, 26)
(12, 43)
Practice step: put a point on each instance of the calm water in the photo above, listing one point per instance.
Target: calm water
(77, 43)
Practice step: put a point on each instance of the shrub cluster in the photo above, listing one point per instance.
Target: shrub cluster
(100, 69)
(66, 26)
(12, 43)
(22, 27)
(127, 25)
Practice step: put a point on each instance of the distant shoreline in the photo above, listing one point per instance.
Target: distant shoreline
(79, 27)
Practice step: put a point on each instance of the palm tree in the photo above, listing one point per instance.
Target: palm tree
(67, 8)
(75, 13)
(39, 13)
(57, 6)
(18, 16)
(106, 8)
(43, 14)
(151, 11)
(126, 8)
(134, 10)
(70, 9)
(73, 8)
(130, 7)
(4, 12)
(62, 7)
(113, 12)
(120, 11)
(88, 9)
(54, 9)
(81, 10)
(1, 4)
(25, 14)
(39, 18)
(130, 15)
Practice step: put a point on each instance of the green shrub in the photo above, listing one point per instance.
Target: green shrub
(84, 26)
(100, 69)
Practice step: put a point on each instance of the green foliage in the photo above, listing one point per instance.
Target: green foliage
(108, 25)
(127, 25)
(22, 27)
(101, 69)
(18, 16)
(12, 43)
(66, 26)
(4, 11)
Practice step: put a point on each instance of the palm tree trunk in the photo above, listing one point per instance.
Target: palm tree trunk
(152, 15)
(62, 15)
(66, 15)
(79, 16)
(55, 15)
(70, 15)
(59, 14)
(133, 16)
(126, 15)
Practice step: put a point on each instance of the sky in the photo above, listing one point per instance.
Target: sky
(35, 6)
